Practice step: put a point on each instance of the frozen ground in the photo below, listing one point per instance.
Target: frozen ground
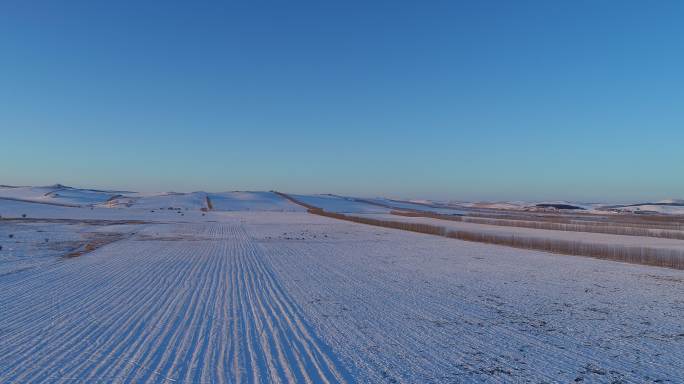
(415, 308)
(57, 194)
(267, 201)
(252, 201)
(224, 201)
(664, 207)
(332, 203)
(61, 195)
(585, 237)
(426, 207)
(212, 297)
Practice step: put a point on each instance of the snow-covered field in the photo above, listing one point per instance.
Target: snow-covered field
(257, 290)
(340, 204)
(590, 238)
(665, 207)
(57, 194)
(252, 201)
(224, 201)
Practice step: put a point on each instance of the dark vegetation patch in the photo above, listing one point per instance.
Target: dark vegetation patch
(558, 206)
(96, 241)
(657, 204)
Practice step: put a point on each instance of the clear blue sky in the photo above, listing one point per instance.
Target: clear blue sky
(580, 100)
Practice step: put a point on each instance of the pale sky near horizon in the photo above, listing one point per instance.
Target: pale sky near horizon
(471, 100)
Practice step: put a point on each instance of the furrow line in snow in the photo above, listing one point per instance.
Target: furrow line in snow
(197, 305)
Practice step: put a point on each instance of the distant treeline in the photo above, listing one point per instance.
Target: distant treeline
(663, 222)
(671, 222)
(585, 226)
(638, 255)
(670, 258)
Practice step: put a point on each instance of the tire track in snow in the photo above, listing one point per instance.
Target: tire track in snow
(415, 309)
(204, 308)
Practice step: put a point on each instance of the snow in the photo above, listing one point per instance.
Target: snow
(513, 205)
(160, 307)
(584, 237)
(663, 209)
(667, 206)
(16, 209)
(57, 194)
(672, 201)
(268, 201)
(252, 201)
(173, 200)
(223, 201)
(259, 291)
(34, 245)
(527, 205)
(413, 206)
(408, 307)
(340, 204)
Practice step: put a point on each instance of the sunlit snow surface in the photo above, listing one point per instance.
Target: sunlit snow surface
(189, 296)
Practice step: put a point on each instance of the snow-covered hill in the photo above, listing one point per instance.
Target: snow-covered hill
(223, 201)
(251, 201)
(669, 206)
(58, 194)
(268, 201)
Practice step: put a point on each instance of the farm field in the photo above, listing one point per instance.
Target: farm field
(372, 192)
(588, 237)
(259, 290)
